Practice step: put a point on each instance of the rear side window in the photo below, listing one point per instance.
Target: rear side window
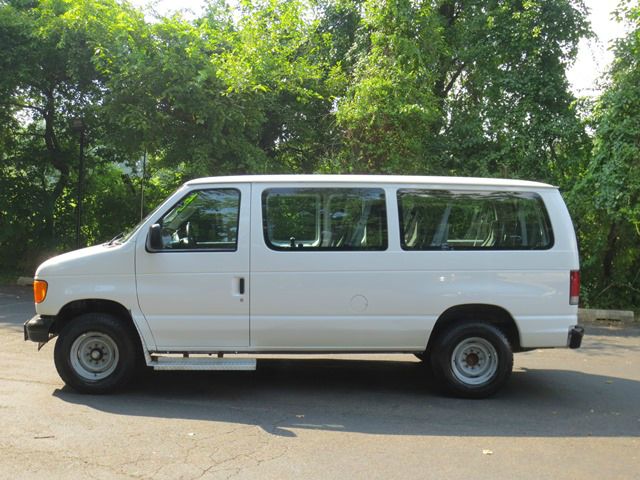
(448, 220)
(326, 219)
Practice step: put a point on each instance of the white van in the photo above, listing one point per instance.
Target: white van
(461, 272)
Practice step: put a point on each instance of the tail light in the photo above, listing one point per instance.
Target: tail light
(574, 287)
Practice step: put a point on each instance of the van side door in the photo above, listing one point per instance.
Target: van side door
(193, 291)
(322, 271)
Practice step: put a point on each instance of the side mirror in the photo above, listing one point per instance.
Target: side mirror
(154, 238)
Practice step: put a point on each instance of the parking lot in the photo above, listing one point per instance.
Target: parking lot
(564, 414)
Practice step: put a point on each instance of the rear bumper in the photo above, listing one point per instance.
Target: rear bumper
(574, 339)
(37, 328)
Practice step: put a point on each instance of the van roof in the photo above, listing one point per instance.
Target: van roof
(381, 179)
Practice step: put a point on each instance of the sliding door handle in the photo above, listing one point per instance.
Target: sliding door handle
(241, 286)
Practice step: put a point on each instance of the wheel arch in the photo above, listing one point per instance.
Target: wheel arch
(92, 305)
(491, 314)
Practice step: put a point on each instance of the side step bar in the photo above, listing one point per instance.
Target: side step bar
(174, 363)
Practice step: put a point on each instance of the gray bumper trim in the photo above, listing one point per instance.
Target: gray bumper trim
(574, 339)
(37, 328)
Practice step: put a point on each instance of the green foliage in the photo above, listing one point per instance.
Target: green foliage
(609, 191)
(47, 79)
(615, 166)
(469, 87)
(390, 111)
(511, 112)
(275, 62)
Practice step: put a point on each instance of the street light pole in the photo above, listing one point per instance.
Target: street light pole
(79, 126)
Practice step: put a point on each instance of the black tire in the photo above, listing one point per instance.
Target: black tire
(472, 360)
(96, 353)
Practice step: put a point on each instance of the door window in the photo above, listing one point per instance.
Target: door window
(203, 220)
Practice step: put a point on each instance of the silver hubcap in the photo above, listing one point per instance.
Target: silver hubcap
(94, 356)
(474, 361)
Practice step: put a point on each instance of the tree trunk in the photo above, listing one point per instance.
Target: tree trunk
(57, 161)
(609, 253)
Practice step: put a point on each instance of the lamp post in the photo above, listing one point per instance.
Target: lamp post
(144, 172)
(78, 126)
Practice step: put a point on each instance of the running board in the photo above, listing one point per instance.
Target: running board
(173, 363)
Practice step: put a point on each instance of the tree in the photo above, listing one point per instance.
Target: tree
(390, 113)
(610, 188)
(464, 87)
(48, 78)
(277, 63)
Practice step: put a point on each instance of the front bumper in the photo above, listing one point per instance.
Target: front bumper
(574, 339)
(37, 328)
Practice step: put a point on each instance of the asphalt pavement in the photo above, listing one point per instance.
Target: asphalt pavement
(571, 414)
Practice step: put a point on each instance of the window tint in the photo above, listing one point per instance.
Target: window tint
(203, 220)
(438, 219)
(324, 218)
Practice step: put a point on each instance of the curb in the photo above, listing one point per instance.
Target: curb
(24, 281)
(595, 315)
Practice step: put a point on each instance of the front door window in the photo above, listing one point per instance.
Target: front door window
(203, 220)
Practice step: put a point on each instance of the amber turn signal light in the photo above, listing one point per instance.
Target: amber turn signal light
(39, 290)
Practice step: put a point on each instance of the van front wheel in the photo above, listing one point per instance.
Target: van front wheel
(472, 360)
(95, 353)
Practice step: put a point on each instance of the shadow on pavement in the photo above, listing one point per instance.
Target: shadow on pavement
(380, 397)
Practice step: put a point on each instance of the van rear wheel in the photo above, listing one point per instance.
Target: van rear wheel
(95, 353)
(472, 360)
